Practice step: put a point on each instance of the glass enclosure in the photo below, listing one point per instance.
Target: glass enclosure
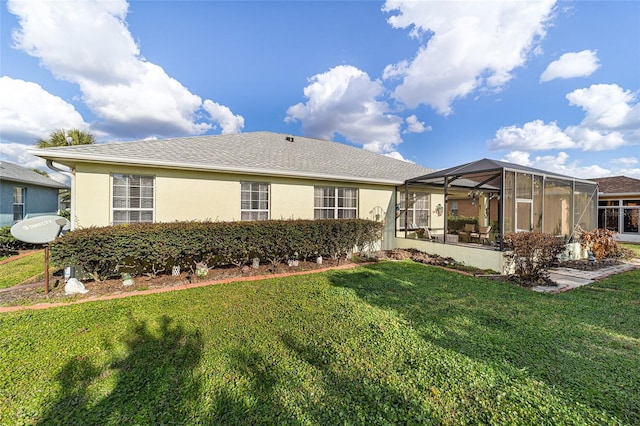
(548, 204)
(528, 200)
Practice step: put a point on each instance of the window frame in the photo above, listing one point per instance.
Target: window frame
(19, 203)
(246, 214)
(625, 212)
(128, 198)
(332, 202)
(414, 210)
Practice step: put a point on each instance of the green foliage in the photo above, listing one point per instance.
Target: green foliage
(388, 343)
(456, 223)
(62, 137)
(9, 246)
(532, 253)
(146, 248)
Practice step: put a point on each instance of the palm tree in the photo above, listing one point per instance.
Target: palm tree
(62, 137)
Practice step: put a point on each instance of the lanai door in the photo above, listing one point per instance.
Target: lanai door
(524, 215)
(524, 202)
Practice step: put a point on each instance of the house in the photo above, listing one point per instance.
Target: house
(25, 193)
(264, 175)
(619, 206)
(244, 176)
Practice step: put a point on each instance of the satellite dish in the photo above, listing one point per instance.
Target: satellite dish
(40, 229)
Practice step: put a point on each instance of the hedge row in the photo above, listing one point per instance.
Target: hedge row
(9, 246)
(153, 248)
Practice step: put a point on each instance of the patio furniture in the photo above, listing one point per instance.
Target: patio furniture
(465, 234)
(482, 236)
(425, 233)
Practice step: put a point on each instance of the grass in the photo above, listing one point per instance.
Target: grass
(393, 342)
(635, 247)
(18, 271)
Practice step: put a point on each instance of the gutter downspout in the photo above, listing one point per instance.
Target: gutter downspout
(72, 175)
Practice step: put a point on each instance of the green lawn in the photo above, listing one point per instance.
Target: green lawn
(635, 247)
(394, 342)
(17, 271)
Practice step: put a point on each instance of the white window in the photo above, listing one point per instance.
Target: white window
(254, 201)
(335, 203)
(417, 210)
(132, 199)
(18, 203)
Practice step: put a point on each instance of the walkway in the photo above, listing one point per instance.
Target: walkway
(567, 278)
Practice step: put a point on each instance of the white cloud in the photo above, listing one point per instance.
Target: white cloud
(343, 100)
(229, 122)
(607, 107)
(28, 112)
(535, 135)
(471, 46)
(612, 120)
(17, 153)
(557, 164)
(398, 156)
(415, 126)
(88, 43)
(570, 65)
(626, 166)
(625, 161)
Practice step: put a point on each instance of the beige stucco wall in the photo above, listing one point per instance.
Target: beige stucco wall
(196, 195)
(476, 257)
(92, 197)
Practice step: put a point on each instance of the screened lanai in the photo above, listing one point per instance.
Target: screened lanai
(528, 199)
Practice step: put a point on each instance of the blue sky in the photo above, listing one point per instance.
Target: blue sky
(553, 85)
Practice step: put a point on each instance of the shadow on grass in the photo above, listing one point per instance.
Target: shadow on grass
(524, 334)
(267, 392)
(153, 383)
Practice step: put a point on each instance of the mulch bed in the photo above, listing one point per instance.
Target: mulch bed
(588, 265)
(35, 292)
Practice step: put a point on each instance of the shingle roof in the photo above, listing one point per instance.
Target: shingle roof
(13, 172)
(263, 153)
(618, 185)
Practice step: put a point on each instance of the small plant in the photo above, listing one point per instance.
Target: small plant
(601, 243)
(202, 270)
(532, 253)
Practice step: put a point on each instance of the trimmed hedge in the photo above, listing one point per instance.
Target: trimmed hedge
(146, 248)
(9, 246)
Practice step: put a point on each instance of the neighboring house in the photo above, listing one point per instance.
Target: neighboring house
(244, 176)
(467, 207)
(25, 193)
(619, 206)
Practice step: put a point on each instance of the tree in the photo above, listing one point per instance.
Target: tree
(41, 172)
(62, 137)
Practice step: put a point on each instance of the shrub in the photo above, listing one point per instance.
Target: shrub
(456, 223)
(10, 246)
(146, 248)
(601, 243)
(531, 253)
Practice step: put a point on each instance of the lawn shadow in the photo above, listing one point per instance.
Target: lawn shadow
(266, 392)
(154, 382)
(507, 331)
